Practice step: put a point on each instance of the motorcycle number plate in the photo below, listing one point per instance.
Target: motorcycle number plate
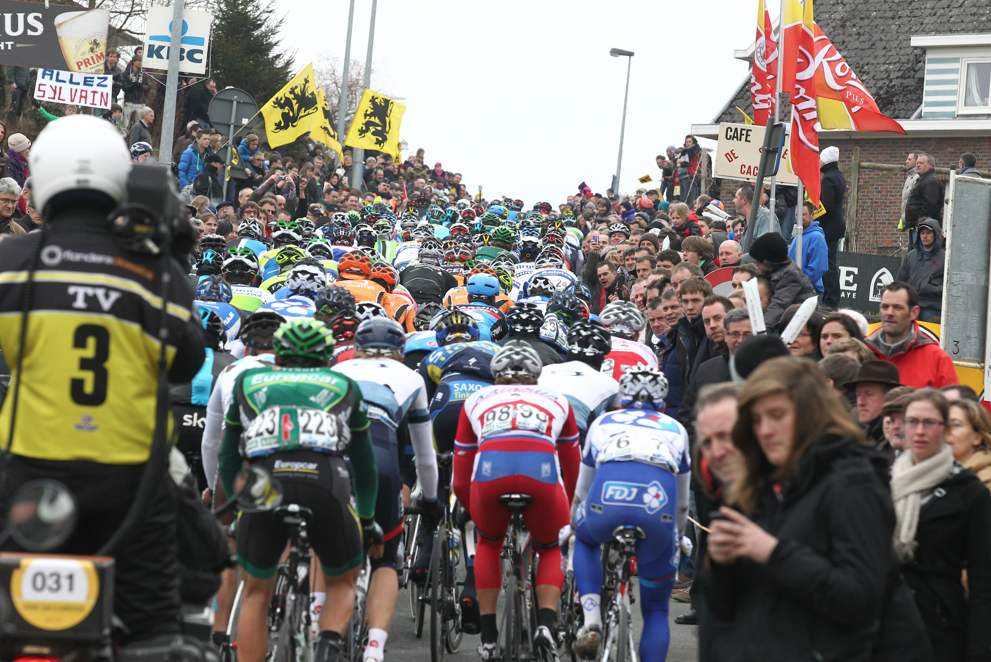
(54, 593)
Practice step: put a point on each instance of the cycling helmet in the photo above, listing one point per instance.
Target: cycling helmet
(504, 234)
(458, 229)
(554, 239)
(211, 263)
(214, 242)
(320, 249)
(288, 256)
(354, 267)
(484, 268)
(588, 339)
(383, 229)
(529, 248)
(258, 329)
(463, 204)
(622, 228)
(333, 300)
(306, 227)
(452, 325)
(341, 235)
(285, 233)
(505, 277)
(516, 359)
(514, 205)
(643, 387)
(339, 218)
(505, 259)
(524, 319)
(353, 218)
(250, 228)
(368, 252)
(541, 286)
(385, 275)
(430, 255)
(380, 333)
(425, 313)
(490, 220)
(548, 261)
(241, 267)
(304, 338)
(364, 236)
(343, 325)
(431, 243)
(139, 148)
(423, 233)
(435, 213)
(623, 319)
(499, 211)
(214, 288)
(483, 286)
(567, 307)
(213, 326)
(306, 280)
(468, 216)
(366, 310)
(580, 290)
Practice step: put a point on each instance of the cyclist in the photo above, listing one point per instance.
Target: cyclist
(625, 321)
(297, 419)
(517, 437)
(588, 389)
(635, 472)
(240, 270)
(395, 395)
(524, 322)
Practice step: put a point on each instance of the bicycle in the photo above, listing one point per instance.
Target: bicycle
(519, 619)
(442, 577)
(357, 637)
(617, 635)
(289, 638)
(228, 650)
(570, 612)
(411, 545)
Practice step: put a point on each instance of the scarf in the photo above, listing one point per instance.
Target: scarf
(909, 482)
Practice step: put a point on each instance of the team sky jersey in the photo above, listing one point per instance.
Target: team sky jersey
(625, 354)
(467, 358)
(589, 391)
(637, 435)
(249, 299)
(515, 431)
(281, 410)
(295, 306)
(90, 373)
(229, 314)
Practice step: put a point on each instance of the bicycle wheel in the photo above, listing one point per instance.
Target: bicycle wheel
(623, 629)
(301, 643)
(456, 580)
(569, 620)
(439, 572)
(511, 625)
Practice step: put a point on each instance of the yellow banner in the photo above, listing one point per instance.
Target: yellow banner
(376, 124)
(294, 110)
(326, 133)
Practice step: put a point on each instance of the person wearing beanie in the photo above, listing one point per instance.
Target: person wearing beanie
(788, 284)
(20, 150)
(752, 352)
(833, 225)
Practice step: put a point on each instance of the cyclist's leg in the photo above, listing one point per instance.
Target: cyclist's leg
(491, 521)
(252, 626)
(545, 518)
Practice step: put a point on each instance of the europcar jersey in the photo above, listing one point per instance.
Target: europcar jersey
(284, 409)
(588, 390)
(637, 435)
(625, 354)
(90, 373)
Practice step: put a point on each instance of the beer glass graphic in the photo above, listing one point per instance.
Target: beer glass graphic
(83, 38)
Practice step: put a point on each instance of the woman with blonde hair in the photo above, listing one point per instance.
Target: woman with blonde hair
(943, 528)
(200, 203)
(807, 574)
(970, 438)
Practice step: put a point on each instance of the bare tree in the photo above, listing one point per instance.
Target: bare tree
(329, 71)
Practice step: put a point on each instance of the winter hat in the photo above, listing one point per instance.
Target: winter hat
(18, 142)
(752, 352)
(769, 249)
(830, 155)
(645, 203)
(651, 238)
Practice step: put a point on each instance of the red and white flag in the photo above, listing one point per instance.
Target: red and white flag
(804, 146)
(763, 75)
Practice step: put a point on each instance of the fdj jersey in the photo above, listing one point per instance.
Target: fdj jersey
(634, 435)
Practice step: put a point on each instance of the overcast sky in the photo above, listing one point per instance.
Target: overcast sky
(522, 97)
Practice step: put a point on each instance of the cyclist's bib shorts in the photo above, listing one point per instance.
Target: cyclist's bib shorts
(389, 501)
(320, 482)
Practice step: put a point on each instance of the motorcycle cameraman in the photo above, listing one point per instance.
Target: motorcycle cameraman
(82, 403)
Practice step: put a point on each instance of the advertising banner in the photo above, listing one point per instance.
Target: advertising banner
(194, 41)
(91, 90)
(64, 38)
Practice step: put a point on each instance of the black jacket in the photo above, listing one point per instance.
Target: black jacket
(820, 595)
(789, 285)
(954, 534)
(690, 338)
(924, 271)
(199, 103)
(833, 189)
(427, 282)
(925, 200)
(545, 351)
(207, 183)
(713, 371)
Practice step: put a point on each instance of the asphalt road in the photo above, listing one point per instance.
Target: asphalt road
(403, 646)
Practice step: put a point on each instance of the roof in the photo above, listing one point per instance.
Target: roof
(875, 38)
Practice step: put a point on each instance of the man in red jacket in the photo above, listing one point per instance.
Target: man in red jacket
(920, 360)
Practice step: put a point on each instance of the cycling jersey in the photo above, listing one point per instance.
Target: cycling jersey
(399, 308)
(588, 390)
(387, 249)
(523, 271)
(407, 253)
(249, 299)
(272, 283)
(485, 317)
(540, 302)
(467, 358)
(90, 372)
(294, 306)
(561, 278)
(362, 290)
(488, 253)
(427, 282)
(625, 354)
(230, 315)
(637, 435)
(459, 296)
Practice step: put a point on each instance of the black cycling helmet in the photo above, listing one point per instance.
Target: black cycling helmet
(380, 333)
(524, 319)
(334, 300)
(425, 313)
(516, 358)
(257, 331)
(344, 324)
(213, 242)
(588, 339)
(567, 307)
(213, 328)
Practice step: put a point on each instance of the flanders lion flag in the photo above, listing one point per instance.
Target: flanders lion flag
(294, 110)
(376, 124)
(326, 133)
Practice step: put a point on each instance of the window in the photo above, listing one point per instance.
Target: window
(976, 93)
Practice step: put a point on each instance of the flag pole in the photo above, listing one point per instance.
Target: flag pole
(777, 88)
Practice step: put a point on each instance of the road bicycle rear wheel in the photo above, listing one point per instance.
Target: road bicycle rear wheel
(456, 580)
(623, 629)
(569, 620)
(511, 624)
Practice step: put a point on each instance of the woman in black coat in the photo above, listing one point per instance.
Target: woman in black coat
(807, 577)
(944, 528)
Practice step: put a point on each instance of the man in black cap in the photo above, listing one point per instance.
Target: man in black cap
(874, 380)
(788, 283)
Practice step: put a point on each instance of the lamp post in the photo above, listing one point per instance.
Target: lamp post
(618, 52)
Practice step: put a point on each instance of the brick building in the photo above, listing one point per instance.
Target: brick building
(928, 65)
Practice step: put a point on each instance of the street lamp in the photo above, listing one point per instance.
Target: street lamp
(619, 52)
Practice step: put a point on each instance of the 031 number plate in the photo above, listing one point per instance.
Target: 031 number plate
(54, 593)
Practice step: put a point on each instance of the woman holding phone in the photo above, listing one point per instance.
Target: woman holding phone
(805, 575)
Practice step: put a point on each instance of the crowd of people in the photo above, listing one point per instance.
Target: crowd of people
(838, 479)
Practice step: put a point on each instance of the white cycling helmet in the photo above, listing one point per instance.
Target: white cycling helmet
(75, 153)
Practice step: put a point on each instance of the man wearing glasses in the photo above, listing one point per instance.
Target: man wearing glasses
(10, 191)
